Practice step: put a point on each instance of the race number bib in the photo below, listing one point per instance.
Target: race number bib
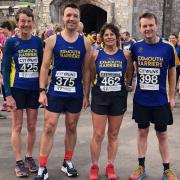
(110, 81)
(149, 78)
(28, 67)
(65, 81)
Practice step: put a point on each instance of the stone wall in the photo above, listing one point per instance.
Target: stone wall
(141, 6)
(118, 11)
(124, 13)
(168, 15)
(175, 25)
(42, 14)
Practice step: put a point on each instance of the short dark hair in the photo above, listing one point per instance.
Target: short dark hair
(148, 15)
(7, 25)
(74, 6)
(173, 34)
(24, 10)
(127, 33)
(113, 28)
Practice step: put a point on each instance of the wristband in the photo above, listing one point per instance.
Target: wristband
(42, 89)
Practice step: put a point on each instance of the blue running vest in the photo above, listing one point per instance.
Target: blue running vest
(110, 71)
(66, 80)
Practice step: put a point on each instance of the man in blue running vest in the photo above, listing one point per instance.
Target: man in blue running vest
(155, 60)
(68, 90)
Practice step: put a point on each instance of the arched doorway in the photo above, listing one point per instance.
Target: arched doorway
(92, 17)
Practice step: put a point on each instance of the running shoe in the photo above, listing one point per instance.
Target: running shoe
(138, 174)
(169, 174)
(69, 169)
(93, 172)
(110, 172)
(31, 164)
(42, 174)
(21, 170)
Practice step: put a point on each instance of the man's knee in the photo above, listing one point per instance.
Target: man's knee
(71, 127)
(49, 128)
(162, 135)
(143, 133)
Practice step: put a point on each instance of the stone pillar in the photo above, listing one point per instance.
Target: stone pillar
(123, 14)
(43, 14)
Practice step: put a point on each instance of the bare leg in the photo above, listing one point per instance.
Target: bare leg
(17, 121)
(31, 130)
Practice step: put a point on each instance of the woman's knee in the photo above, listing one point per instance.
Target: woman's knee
(98, 136)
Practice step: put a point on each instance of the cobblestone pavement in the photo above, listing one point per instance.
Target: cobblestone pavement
(126, 159)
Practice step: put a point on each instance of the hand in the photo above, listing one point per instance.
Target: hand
(85, 102)
(1, 79)
(172, 104)
(43, 98)
(11, 103)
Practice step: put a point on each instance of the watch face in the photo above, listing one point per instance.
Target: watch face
(42, 89)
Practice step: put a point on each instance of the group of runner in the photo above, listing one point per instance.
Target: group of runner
(75, 67)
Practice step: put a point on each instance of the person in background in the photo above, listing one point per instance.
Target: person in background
(127, 42)
(7, 29)
(173, 39)
(80, 28)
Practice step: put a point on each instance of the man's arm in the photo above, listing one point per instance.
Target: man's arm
(86, 73)
(47, 58)
(172, 85)
(129, 69)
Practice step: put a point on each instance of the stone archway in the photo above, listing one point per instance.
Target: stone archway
(92, 21)
(101, 10)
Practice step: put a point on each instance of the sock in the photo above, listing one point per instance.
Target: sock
(166, 166)
(43, 161)
(94, 163)
(109, 162)
(142, 162)
(28, 157)
(68, 155)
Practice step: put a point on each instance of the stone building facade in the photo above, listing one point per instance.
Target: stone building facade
(124, 13)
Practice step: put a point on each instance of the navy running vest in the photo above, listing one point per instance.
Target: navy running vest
(110, 71)
(66, 78)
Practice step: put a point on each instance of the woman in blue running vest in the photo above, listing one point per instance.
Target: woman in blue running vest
(109, 68)
(21, 64)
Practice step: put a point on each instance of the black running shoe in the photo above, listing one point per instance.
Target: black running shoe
(69, 169)
(42, 174)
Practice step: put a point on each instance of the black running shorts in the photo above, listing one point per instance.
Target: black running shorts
(61, 105)
(108, 103)
(25, 98)
(160, 116)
